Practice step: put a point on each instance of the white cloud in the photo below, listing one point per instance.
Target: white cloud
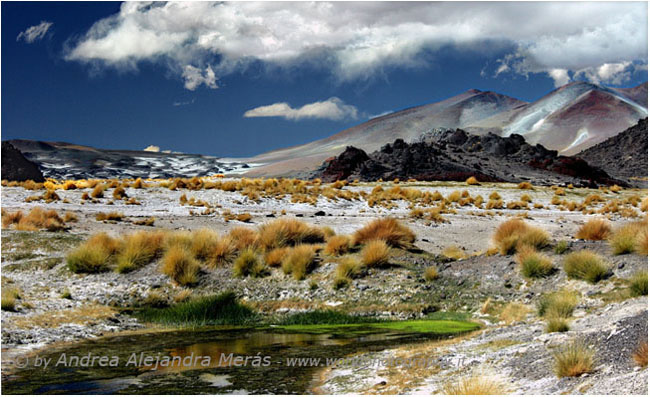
(559, 76)
(614, 73)
(34, 33)
(152, 148)
(194, 77)
(199, 40)
(332, 109)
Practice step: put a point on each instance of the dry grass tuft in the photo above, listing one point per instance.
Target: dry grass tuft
(179, 264)
(525, 185)
(9, 297)
(573, 360)
(533, 264)
(275, 257)
(119, 193)
(557, 324)
(347, 269)
(632, 237)
(203, 243)
(640, 355)
(37, 219)
(585, 265)
(70, 217)
(558, 304)
(431, 273)
(514, 312)
(139, 249)
(454, 252)
(389, 230)
(248, 264)
(299, 261)
(514, 233)
(639, 284)
(337, 245)
(243, 237)
(595, 230)
(109, 216)
(375, 253)
(476, 384)
(472, 181)
(288, 232)
(223, 252)
(98, 191)
(93, 255)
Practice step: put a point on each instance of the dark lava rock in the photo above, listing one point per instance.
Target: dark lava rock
(455, 155)
(15, 167)
(623, 156)
(319, 213)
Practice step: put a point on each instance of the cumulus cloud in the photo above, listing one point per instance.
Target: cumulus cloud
(560, 76)
(355, 40)
(332, 109)
(34, 33)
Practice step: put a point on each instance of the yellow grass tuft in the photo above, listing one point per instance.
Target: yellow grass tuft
(454, 252)
(632, 237)
(431, 273)
(533, 264)
(248, 264)
(119, 193)
(514, 312)
(514, 233)
(585, 265)
(203, 243)
(243, 237)
(223, 252)
(109, 216)
(139, 249)
(573, 360)
(640, 355)
(472, 181)
(594, 229)
(179, 264)
(287, 232)
(389, 230)
(375, 253)
(337, 245)
(275, 257)
(299, 261)
(525, 185)
(476, 384)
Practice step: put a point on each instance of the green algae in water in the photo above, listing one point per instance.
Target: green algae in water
(436, 327)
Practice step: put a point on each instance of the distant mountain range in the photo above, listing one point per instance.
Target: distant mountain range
(61, 160)
(569, 119)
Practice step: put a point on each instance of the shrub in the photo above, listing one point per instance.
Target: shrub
(515, 233)
(534, 264)
(289, 232)
(472, 181)
(248, 264)
(640, 355)
(639, 284)
(573, 360)
(375, 253)
(388, 229)
(525, 185)
(585, 265)
(594, 229)
(454, 252)
(180, 265)
(476, 384)
(626, 239)
(514, 312)
(299, 261)
(138, 250)
(221, 309)
(337, 245)
(558, 304)
(431, 273)
(556, 324)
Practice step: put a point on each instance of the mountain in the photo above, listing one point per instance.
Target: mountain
(15, 167)
(569, 119)
(624, 156)
(61, 160)
(457, 155)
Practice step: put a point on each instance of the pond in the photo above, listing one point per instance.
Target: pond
(216, 360)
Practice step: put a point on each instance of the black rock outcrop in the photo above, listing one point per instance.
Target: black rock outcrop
(15, 167)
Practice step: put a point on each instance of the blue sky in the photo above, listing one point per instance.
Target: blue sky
(183, 76)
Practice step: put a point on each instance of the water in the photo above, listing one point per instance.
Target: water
(195, 362)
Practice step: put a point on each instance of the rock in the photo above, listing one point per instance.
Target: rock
(15, 167)
(319, 213)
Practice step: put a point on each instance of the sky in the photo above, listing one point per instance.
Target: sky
(237, 79)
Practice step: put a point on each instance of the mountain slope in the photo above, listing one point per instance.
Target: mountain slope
(569, 119)
(624, 155)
